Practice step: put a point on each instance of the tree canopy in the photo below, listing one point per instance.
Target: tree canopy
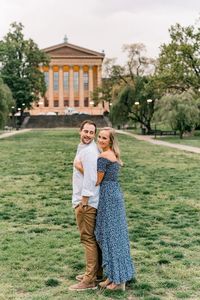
(130, 83)
(178, 66)
(20, 60)
(6, 102)
(135, 102)
(180, 111)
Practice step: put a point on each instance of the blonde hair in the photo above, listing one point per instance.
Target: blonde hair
(113, 142)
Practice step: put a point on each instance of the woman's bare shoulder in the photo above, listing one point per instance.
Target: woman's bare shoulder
(109, 155)
(103, 154)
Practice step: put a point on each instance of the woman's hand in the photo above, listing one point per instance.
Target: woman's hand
(78, 165)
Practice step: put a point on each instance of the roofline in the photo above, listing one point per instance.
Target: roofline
(74, 47)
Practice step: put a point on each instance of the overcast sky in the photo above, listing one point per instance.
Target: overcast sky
(99, 24)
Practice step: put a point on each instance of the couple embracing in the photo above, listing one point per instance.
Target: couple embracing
(100, 212)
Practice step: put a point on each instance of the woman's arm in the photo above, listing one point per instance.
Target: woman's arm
(100, 176)
(78, 165)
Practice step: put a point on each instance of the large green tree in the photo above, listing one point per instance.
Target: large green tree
(135, 103)
(178, 66)
(20, 60)
(6, 102)
(180, 111)
(124, 85)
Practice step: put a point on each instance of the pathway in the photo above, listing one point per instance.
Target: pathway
(151, 140)
(10, 133)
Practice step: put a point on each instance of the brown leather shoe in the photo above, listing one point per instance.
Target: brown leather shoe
(81, 286)
(81, 276)
(114, 287)
(104, 283)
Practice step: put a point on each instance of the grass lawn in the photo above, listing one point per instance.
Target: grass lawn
(40, 252)
(190, 141)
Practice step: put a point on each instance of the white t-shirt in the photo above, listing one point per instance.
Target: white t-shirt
(85, 184)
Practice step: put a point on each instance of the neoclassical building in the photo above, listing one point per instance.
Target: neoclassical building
(71, 77)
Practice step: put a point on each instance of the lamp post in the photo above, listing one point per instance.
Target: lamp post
(136, 103)
(149, 101)
(18, 118)
(13, 116)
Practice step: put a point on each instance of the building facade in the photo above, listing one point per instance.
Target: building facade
(71, 77)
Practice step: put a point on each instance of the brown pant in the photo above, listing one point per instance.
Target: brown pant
(86, 219)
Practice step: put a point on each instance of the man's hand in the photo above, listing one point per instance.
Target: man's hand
(84, 201)
(78, 165)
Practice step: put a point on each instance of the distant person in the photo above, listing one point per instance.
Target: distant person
(85, 201)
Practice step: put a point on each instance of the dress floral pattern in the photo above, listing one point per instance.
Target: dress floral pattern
(111, 228)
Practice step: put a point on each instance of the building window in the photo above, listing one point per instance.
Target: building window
(86, 102)
(76, 83)
(55, 81)
(76, 103)
(86, 81)
(66, 103)
(46, 78)
(66, 81)
(56, 103)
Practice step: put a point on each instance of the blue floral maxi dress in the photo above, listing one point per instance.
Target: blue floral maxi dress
(111, 228)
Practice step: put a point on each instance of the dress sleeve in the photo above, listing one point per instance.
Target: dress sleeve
(101, 164)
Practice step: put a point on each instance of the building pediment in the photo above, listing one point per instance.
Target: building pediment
(72, 51)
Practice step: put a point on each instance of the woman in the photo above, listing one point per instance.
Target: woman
(111, 227)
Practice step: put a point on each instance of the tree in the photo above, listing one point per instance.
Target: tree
(181, 111)
(20, 60)
(178, 66)
(136, 103)
(104, 93)
(6, 102)
(124, 85)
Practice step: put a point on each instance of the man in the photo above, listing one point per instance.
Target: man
(85, 201)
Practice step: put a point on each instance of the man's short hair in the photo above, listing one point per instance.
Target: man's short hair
(88, 122)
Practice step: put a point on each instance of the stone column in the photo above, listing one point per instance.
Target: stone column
(90, 81)
(71, 86)
(61, 92)
(99, 75)
(81, 87)
(50, 87)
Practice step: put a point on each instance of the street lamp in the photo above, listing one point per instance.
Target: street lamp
(137, 103)
(13, 116)
(149, 101)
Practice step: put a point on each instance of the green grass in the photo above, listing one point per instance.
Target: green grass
(189, 140)
(40, 252)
